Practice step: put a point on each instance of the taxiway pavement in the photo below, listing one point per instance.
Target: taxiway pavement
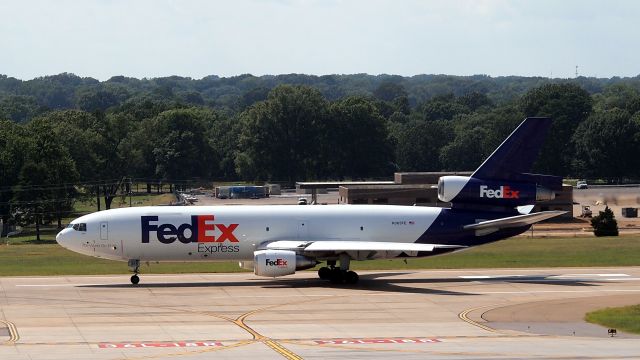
(439, 314)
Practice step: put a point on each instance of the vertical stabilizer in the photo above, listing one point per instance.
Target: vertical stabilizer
(516, 155)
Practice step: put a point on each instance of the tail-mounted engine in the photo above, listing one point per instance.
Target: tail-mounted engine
(273, 263)
(469, 190)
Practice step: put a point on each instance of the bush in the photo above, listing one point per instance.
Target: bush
(605, 224)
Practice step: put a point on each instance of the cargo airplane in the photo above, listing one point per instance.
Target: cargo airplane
(494, 203)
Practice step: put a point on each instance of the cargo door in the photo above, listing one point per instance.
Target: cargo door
(104, 231)
(303, 230)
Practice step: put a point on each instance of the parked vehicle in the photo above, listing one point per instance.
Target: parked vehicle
(582, 185)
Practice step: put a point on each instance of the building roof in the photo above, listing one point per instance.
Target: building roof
(391, 186)
(335, 184)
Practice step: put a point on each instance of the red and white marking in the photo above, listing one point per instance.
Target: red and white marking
(177, 344)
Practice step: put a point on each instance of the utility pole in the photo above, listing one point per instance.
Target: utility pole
(576, 71)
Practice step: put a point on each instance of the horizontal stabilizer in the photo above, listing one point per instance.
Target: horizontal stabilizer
(513, 221)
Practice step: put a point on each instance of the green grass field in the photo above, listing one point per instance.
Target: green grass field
(625, 318)
(24, 258)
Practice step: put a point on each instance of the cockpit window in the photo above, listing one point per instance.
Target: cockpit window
(79, 226)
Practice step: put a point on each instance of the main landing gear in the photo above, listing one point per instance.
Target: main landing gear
(134, 266)
(338, 275)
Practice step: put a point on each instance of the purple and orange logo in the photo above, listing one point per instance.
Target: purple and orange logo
(276, 262)
(503, 192)
(199, 231)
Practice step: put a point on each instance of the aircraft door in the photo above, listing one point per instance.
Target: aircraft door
(104, 231)
(303, 230)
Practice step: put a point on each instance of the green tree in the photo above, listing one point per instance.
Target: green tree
(281, 138)
(607, 145)
(46, 188)
(358, 138)
(181, 147)
(568, 105)
(466, 151)
(418, 144)
(19, 108)
(389, 91)
(617, 95)
(253, 96)
(477, 135)
(12, 156)
(82, 135)
(146, 106)
(444, 107)
(101, 98)
(223, 142)
(475, 100)
(137, 147)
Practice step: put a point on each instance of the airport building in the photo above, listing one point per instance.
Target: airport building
(418, 188)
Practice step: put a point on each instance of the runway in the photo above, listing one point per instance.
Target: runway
(442, 314)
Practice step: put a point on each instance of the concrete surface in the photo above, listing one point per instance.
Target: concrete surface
(445, 314)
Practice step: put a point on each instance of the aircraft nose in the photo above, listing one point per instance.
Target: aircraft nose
(63, 238)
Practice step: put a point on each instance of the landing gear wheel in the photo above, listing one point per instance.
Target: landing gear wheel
(324, 273)
(337, 276)
(351, 277)
(134, 266)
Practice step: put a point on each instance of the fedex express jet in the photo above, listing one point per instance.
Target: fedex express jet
(494, 203)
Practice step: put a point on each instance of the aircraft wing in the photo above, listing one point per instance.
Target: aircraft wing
(512, 221)
(337, 246)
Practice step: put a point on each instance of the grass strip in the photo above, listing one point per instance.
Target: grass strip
(24, 258)
(626, 318)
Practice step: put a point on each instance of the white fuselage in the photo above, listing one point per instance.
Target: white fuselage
(235, 232)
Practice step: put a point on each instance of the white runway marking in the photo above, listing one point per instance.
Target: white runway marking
(555, 291)
(603, 275)
(623, 279)
(552, 278)
(490, 276)
(54, 285)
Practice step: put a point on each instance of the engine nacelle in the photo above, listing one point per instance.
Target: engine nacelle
(273, 263)
(464, 189)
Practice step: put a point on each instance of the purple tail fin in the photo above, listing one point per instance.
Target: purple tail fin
(514, 158)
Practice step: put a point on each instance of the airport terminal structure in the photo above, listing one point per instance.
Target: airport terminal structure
(415, 188)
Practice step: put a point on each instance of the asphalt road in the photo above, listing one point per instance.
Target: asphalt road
(445, 314)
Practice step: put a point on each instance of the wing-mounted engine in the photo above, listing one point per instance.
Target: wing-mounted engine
(273, 263)
(470, 190)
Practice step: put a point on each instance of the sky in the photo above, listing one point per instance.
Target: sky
(196, 38)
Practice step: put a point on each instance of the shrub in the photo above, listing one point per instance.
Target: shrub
(605, 224)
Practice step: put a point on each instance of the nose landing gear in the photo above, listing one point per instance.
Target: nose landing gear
(134, 266)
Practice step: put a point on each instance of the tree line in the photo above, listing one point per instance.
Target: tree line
(88, 143)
